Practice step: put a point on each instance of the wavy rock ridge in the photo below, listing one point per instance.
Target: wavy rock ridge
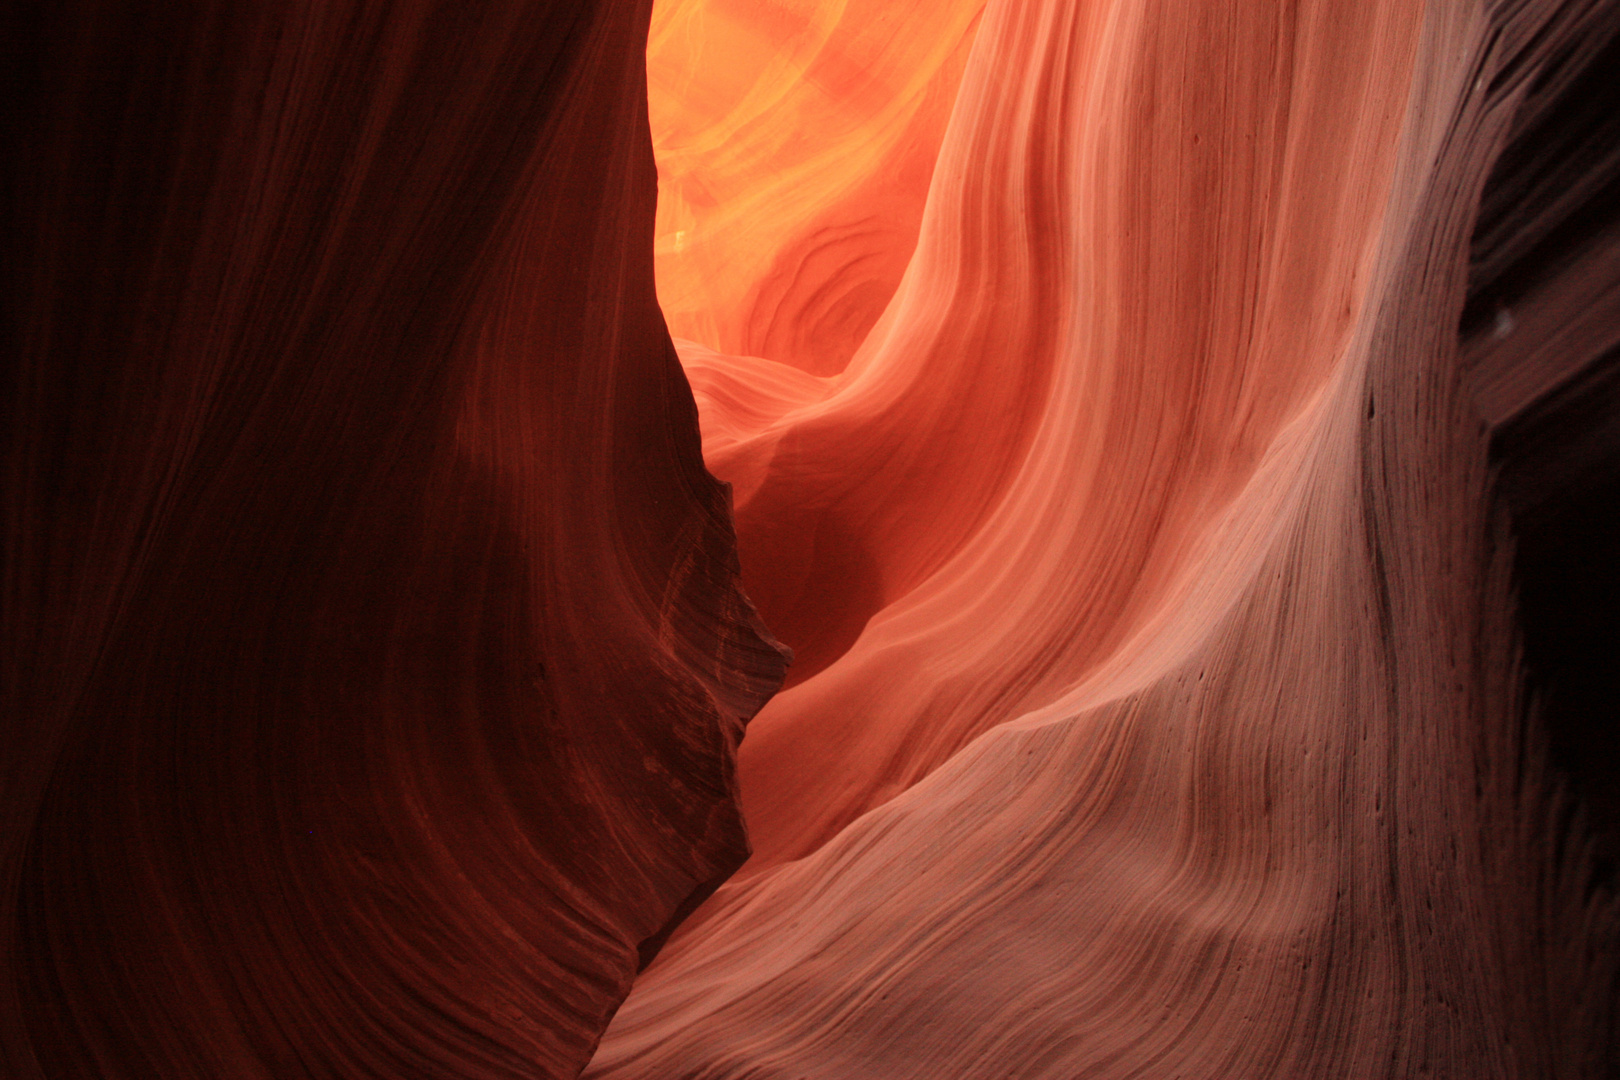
(1163, 715)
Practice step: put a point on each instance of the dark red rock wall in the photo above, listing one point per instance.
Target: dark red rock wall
(374, 657)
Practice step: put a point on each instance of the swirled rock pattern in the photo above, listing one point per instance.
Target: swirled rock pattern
(795, 144)
(1162, 714)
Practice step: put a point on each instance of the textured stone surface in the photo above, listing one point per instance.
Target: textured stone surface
(374, 653)
(1157, 428)
(1178, 728)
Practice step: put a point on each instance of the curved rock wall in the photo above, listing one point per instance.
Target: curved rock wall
(1155, 429)
(374, 653)
(1179, 729)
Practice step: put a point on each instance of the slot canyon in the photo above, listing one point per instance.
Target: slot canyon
(811, 540)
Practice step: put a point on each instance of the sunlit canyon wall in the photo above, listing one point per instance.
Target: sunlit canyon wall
(1177, 443)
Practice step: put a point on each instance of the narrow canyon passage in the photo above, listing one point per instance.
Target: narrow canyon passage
(810, 539)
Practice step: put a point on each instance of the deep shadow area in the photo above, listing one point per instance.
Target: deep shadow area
(1551, 205)
(1568, 568)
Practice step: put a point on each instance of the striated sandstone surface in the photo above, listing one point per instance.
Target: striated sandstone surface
(1177, 440)
(1172, 725)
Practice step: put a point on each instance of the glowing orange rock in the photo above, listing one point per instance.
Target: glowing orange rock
(1071, 385)
(795, 141)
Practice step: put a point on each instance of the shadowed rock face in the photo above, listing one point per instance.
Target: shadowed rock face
(1541, 340)
(374, 652)
(1158, 429)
